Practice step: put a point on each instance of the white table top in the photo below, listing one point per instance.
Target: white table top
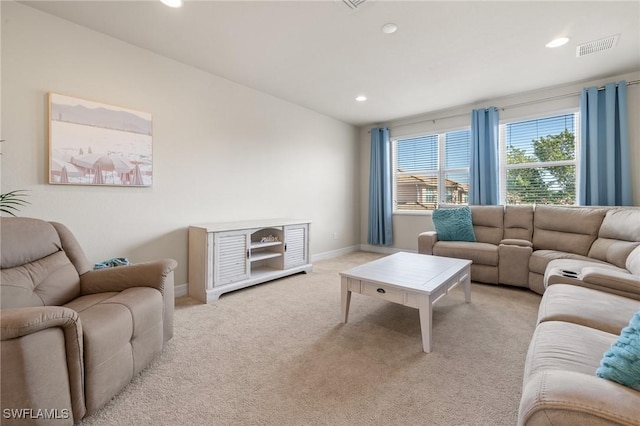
(420, 272)
(248, 224)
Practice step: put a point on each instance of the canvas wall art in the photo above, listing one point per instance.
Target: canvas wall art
(91, 143)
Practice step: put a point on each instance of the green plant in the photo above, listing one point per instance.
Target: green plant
(11, 202)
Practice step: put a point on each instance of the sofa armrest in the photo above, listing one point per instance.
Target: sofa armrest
(569, 398)
(516, 242)
(426, 240)
(18, 322)
(513, 266)
(148, 274)
(157, 274)
(27, 323)
(607, 278)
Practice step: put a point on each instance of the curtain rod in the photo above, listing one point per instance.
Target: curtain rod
(568, 95)
(552, 98)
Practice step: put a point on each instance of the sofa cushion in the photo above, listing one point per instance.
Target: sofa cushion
(621, 224)
(453, 224)
(488, 223)
(593, 274)
(566, 229)
(484, 273)
(560, 386)
(633, 262)
(122, 332)
(25, 240)
(556, 397)
(540, 259)
(621, 363)
(479, 253)
(559, 345)
(618, 236)
(518, 222)
(51, 280)
(36, 270)
(591, 308)
(612, 251)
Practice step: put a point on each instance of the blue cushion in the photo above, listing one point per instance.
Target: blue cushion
(111, 263)
(454, 224)
(621, 363)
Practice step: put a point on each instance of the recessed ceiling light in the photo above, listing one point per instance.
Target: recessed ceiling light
(361, 98)
(389, 28)
(172, 3)
(560, 41)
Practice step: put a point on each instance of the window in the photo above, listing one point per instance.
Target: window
(538, 165)
(431, 170)
(539, 161)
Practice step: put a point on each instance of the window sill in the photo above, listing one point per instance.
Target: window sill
(413, 213)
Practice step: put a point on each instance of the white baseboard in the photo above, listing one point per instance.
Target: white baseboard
(382, 249)
(333, 253)
(181, 290)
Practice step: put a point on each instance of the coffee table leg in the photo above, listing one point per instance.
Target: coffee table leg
(467, 286)
(346, 300)
(426, 315)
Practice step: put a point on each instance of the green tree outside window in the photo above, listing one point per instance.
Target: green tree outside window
(540, 184)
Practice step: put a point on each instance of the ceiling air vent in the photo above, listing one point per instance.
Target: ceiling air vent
(597, 45)
(352, 5)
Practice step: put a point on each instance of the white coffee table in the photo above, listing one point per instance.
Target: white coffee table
(415, 280)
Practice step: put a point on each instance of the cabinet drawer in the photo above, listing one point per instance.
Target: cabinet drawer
(388, 293)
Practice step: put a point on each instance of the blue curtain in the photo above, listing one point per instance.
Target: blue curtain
(380, 205)
(604, 174)
(484, 169)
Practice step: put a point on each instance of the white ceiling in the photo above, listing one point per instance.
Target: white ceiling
(318, 55)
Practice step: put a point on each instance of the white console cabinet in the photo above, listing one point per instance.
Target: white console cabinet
(228, 256)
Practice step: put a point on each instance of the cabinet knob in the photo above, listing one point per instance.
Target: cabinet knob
(381, 291)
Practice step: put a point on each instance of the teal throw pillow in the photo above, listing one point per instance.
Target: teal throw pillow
(453, 224)
(111, 263)
(621, 363)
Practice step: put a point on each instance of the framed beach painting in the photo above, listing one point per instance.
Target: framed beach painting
(91, 143)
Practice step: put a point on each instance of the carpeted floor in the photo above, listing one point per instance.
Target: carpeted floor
(277, 354)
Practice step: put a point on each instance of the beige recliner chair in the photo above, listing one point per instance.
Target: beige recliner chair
(73, 337)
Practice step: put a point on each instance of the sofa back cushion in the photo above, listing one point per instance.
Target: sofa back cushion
(35, 269)
(619, 235)
(567, 229)
(633, 261)
(518, 222)
(488, 223)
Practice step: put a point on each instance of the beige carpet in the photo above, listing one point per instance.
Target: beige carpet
(277, 354)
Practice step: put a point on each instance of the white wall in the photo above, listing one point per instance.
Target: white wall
(406, 227)
(221, 151)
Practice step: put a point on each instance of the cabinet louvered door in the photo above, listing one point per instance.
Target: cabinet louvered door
(296, 245)
(231, 262)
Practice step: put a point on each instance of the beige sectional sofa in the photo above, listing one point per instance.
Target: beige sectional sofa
(576, 326)
(73, 337)
(586, 263)
(515, 244)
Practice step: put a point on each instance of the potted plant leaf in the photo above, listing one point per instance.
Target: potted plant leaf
(11, 202)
